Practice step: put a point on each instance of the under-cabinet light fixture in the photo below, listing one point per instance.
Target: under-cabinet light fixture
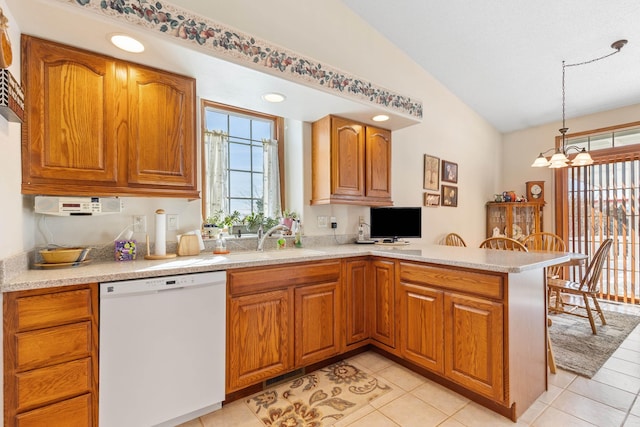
(126, 43)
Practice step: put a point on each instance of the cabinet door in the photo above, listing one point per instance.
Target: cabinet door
(75, 106)
(378, 163)
(259, 339)
(383, 308)
(357, 318)
(421, 327)
(318, 322)
(162, 144)
(347, 158)
(473, 340)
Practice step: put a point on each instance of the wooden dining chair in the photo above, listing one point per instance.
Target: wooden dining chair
(585, 290)
(452, 239)
(503, 243)
(549, 242)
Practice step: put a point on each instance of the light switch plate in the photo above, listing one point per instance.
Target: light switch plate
(322, 221)
(172, 222)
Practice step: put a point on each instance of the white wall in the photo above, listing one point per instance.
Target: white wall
(450, 130)
(15, 219)
(522, 147)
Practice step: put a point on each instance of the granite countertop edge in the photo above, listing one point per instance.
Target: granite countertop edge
(110, 271)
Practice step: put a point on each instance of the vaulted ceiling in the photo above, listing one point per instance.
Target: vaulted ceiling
(504, 58)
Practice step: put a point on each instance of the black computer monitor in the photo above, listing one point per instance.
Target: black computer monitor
(395, 222)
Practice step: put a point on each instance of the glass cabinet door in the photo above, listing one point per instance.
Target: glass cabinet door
(496, 219)
(516, 220)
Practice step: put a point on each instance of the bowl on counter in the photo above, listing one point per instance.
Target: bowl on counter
(64, 255)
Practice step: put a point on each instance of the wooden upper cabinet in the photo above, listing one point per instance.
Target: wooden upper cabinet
(347, 158)
(351, 163)
(162, 124)
(73, 113)
(378, 164)
(98, 126)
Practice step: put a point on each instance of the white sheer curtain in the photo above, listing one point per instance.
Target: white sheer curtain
(271, 197)
(217, 147)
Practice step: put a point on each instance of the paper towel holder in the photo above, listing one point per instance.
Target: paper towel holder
(149, 255)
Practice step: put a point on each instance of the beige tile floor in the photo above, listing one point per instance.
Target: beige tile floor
(610, 398)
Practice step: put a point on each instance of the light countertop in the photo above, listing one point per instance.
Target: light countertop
(108, 271)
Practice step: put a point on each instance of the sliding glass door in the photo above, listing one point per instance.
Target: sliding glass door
(601, 201)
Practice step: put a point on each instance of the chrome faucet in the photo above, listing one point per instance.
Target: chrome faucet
(268, 233)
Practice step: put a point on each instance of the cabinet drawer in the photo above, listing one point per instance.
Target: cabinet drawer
(463, 281)
(41, 386)
(52, 345)
(266, 279)
(72, 412)
(40, 311)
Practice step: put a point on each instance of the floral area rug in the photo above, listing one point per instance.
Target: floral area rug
(317, 399)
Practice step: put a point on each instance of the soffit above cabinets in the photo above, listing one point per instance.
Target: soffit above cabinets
(217, 79)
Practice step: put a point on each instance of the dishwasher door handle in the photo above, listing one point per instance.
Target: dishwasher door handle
(170, 289)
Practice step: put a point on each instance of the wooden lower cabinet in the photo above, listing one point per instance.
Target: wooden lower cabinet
(421, 325)
(281, 318)
(473, 340)
(318, 322)
(51, 356)
(458, 326)
(453, 334)
(383, 302)
(356, 279)
(259, 341)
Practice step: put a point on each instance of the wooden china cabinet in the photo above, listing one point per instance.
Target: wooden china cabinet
(514, 219)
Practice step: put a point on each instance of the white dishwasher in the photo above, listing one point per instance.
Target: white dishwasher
(162, 349)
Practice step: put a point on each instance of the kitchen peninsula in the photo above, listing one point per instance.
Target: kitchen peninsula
(472, 319)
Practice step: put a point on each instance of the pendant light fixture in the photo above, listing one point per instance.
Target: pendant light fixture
(559, 158)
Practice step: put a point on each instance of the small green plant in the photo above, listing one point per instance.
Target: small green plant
(290, 214)
(220, 220)
(253, 221)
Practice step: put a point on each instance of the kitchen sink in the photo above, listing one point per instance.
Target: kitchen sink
(276, 254)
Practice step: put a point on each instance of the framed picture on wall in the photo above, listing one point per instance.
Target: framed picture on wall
(431, 200)
(449, 171)
(449, 196)
(431, 173)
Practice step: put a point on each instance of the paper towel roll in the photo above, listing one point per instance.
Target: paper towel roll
(161, 233)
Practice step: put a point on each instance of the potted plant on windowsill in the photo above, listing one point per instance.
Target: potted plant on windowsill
(221, 222)
(288, 218)
(253, 221)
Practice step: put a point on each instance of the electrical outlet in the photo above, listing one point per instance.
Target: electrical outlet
(322, 221)
(334, 223)
(172, 222)
(360, 220)
(139, 223)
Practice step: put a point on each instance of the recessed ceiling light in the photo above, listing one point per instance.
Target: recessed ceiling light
(274, 97)
(380, 118)
(126, 43)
